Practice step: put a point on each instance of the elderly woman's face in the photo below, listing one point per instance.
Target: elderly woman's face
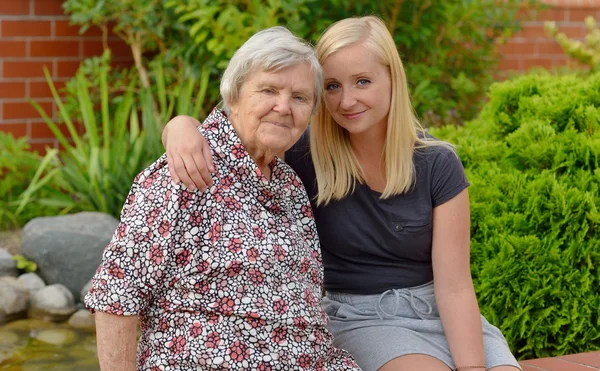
(274, 108)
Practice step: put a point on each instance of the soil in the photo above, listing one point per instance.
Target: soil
(11, 241)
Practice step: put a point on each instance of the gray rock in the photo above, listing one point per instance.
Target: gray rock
(13, 299)
(68, 249)
(31, 282)
(8, 267)
(83, 319)
(52, 303)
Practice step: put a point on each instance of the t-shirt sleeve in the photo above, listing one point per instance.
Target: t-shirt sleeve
(448, 177)
(134, 262)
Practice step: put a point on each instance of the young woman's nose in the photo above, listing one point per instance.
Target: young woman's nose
(348, 99)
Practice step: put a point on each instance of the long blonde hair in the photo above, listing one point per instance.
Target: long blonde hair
(336, 166)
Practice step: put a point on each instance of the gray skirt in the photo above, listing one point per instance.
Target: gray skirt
(378, 328)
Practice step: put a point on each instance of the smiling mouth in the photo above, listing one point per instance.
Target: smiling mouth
(278, 124)
(351, 116)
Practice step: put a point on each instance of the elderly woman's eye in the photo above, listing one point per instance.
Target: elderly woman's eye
(268, 91)
(301, 98)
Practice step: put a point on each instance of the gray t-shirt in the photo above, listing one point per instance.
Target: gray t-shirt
(370, 245)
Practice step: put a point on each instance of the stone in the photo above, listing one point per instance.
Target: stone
(13, 299)
(68, 248)
(83, 319)
(28, 325)
(31, 282)
(8, 267)
(52, 303)
(57, 336)
(10, 240)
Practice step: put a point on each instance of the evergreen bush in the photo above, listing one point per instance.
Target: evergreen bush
(533, 159)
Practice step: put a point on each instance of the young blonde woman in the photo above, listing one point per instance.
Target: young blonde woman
(392, 212)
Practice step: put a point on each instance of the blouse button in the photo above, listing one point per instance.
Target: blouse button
(397, 227)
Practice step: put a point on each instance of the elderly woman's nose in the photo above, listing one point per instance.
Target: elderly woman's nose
(282, 105)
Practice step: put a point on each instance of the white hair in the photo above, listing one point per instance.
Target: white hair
(268, 50)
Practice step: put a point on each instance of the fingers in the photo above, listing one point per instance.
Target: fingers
(202, 172)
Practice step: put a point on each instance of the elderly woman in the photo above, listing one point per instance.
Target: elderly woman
(229, 278)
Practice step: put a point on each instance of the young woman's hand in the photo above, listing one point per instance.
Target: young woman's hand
(188, 154)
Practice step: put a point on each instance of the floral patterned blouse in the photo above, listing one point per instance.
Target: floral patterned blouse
(227, 279)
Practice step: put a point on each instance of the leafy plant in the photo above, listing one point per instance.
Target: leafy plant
(122, 136)
(24, 264)
(587, 52)
(533, 158)
(17, 169)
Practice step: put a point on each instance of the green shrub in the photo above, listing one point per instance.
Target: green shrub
(533, 158)
(17, 170)
(586, 52)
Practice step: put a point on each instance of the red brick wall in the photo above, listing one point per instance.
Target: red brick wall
(532, 47)
(34, 33)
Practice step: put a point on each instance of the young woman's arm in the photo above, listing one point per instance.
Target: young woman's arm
(117, 343)
(454, 292)
(188, 154)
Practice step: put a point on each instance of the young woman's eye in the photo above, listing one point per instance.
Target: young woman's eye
(363, 82)
(332, 86)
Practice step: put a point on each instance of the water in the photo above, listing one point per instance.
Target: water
(35, 345)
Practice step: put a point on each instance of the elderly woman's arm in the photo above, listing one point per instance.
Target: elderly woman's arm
(188, 153)
(117, 343)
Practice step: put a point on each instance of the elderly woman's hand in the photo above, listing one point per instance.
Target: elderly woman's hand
(188, 154)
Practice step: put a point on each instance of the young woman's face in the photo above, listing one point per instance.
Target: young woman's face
(358, 89)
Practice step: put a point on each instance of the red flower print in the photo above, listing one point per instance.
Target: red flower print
(165, 228)
(226, 305)
(264, 367)
(195, 219)
(304, 266)
(319, 365)
(185, 199)
(304, 361)
(121, 230)
(177, 344)
(115, 308)
(255, 321)
(309, 297)
(227, 182)
(213, 340)
(150, 180)
(202, 287)
(156, 254)
(163, 324)
(234, 268)
(238, 151)
(213, 318)
(239, 351)
(252, 254)
(183, 257)
(256, 276)
(259, 233)
(279, 335)
(279, 252)
(114, 270)
(301, 323)
(232, 203)
(196, 329)
(307, 211)
(151, 217)
(215, 232)
(280, 306)
(234, 245)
